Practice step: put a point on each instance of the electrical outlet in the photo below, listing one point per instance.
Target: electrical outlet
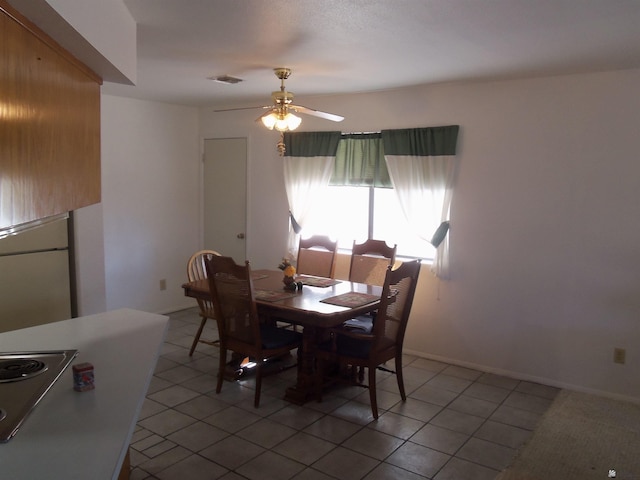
(163, 284)
(619, 355)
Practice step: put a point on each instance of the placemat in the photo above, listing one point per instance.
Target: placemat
(272, 295)
(316, 281)
(351, 299)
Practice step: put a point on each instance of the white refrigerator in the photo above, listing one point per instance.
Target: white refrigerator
(35, 281)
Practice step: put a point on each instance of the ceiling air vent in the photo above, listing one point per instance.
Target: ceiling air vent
(226, 79)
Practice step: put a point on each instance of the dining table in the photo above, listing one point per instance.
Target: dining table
(316, 305)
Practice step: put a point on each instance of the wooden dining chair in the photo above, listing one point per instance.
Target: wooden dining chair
(239, 327)
(196, 271)
(317, 256)
(384, 343)
(369, 261)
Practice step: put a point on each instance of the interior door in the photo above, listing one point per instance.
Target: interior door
(225, 196)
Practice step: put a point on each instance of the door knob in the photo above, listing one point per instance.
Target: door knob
(240, 235)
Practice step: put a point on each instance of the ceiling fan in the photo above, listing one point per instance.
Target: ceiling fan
(280, 115)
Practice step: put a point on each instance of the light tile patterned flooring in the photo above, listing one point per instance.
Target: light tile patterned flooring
(457, 423)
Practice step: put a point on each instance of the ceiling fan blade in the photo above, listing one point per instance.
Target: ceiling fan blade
(316, 113)
(242, 108)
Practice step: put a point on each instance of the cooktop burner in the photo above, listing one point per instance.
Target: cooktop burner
(25, 378)
(17, 369)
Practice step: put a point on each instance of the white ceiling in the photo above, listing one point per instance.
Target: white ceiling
(342, 46)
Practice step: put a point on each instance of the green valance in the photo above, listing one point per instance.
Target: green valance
(360, 162)
(423, 142)
(360, 157)
(311, 144)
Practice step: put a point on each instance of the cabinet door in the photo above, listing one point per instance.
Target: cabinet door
(225, 196)
(50, 135)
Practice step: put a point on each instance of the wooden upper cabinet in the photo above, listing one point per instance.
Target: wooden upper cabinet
(49, 125)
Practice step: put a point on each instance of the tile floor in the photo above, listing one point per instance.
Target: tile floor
(457, 423)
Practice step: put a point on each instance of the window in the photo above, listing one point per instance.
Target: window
(357, 213)
(361, 202)
(389, 223)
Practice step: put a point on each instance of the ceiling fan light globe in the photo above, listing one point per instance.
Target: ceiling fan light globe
(269, 121)
(288, 123)
(281, 126)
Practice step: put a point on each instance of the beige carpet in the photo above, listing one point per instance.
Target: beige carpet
(581, 437)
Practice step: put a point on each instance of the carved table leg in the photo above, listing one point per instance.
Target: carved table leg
(303, 391)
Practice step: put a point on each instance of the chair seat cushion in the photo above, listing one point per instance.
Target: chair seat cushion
(274, 337)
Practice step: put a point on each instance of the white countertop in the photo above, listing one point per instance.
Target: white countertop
(85, 435)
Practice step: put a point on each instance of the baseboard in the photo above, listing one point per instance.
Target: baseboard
(170, 310)
(525, 377)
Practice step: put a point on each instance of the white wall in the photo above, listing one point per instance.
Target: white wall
(545, 223)
(150, 201)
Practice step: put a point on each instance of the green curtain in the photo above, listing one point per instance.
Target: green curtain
(424, 142)
(311, 144)
(360, 162)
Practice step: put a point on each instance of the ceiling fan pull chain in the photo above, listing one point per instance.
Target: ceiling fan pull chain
(281, 146)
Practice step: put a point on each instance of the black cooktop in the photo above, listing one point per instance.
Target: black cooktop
(25, 378)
